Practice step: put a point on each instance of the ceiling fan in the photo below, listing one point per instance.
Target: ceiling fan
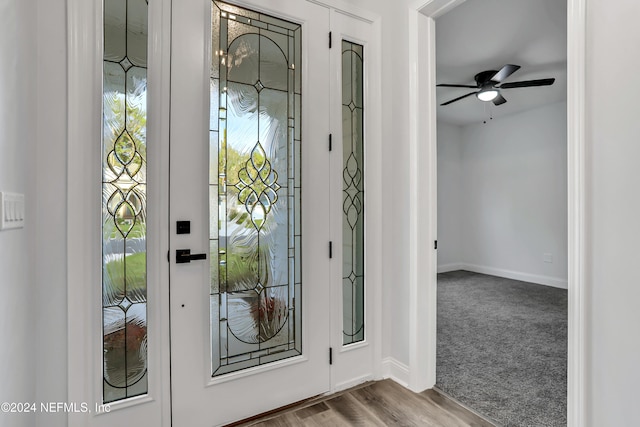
(487, 84)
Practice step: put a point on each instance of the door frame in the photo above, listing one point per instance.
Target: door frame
(423, 168)
(83, 245)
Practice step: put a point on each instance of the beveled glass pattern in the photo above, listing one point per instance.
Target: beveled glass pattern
(353, 193)
(124, 199)
(254, 189)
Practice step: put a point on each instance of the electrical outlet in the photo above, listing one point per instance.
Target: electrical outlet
(11, 210)
(547, 258)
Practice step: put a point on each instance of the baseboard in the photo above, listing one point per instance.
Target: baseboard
(454, 266)
(396, 371)
(516, 275)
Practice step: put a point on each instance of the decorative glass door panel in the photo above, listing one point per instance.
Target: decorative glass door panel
(124, 180)
(255, 233)
(353, 192)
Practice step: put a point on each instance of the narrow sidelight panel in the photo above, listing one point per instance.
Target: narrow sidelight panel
(124, 194)
(254, 182)
(353, 192)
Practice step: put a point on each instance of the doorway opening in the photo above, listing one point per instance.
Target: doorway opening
(423, 170)
(502, 209)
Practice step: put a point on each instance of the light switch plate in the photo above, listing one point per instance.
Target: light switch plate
(11, 210)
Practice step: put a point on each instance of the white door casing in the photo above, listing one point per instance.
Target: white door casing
(422, 334)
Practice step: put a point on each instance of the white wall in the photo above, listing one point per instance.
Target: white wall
(49, 169)
(613, 149)
(513, 196)
(450, 212)
(18, 337)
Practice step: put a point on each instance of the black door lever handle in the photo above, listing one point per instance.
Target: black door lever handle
(184, 256)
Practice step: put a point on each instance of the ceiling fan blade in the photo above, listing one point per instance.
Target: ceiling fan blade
(459, 98)
(528, 83)
(448, 85)
(499, 100)
(505, 72)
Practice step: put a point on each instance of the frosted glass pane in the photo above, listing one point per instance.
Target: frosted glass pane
(124, 200)
(255, 321)
(353, 193)
(115, 40)
(273, 65)
(137, 32)
(125, 342)
(242, 59)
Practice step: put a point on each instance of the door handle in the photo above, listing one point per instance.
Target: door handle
(184, 256)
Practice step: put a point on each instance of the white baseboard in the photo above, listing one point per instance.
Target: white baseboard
(396, 371)
(509, 274)
(445, 268)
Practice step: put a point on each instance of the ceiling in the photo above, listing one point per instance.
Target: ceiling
(484, 35)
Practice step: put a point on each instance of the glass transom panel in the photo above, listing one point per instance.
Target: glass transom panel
(254, 189)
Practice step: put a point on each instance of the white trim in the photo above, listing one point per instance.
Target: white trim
(348, 9)
(233, 376)
(83, 121)
(345, 385)
(437, 8)
(376, 198)
(394, 370)
(354, 346)
(422, 213)
(453, 266)
(577, 185)
(515, 275)
(421, 353)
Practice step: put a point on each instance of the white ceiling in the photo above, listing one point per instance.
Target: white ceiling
(484, 35)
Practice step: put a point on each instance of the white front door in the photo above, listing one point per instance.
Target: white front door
(249, 170)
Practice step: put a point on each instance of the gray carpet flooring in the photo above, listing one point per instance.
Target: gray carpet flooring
(502, 348)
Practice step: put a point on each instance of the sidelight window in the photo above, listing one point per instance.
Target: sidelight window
(353, 192)
(124, 207)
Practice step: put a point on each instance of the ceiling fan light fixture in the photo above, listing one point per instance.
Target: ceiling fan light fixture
(487, 95)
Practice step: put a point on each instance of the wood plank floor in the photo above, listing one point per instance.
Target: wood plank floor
(381, 403)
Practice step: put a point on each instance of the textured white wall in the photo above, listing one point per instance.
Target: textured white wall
(613, 198)
(18, 337)
(450, 196)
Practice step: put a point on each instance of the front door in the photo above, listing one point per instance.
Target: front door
(249, 301)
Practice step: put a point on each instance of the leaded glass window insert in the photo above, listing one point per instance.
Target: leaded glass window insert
(254, 187)
(353, 192)
(124, 207)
